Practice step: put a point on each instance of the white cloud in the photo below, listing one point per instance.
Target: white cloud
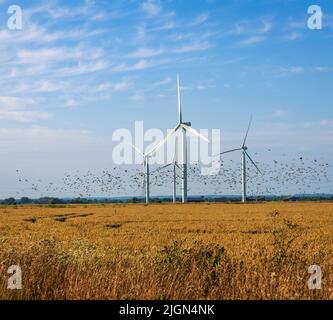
(295, 70)
(192, 47)
(267, 27)
(146, 53)
(48, 86)
(287, 71)
(162, 82)
(41, 139)
(140, 65)
(252, 40)
(169, 25)
(322, 69)
(60, 12)
(16, 109)
(121, 86)
(151, 7)
(251, 27)
(280, 113)
(297, 24)
(200, 19)
(85, 67)
(23, 116)
(47, 55)
(292, 36)
(71, 103)
(326, 123)
(11, 103)
(137, 97)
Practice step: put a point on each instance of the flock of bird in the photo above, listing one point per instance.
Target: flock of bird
(278, 177)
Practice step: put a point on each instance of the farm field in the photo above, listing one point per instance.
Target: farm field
(164, 251)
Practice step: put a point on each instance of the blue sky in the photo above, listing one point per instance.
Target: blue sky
(81, 69)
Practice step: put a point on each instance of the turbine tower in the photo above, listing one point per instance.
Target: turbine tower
(146, 171)
(175, 165)
(185, 128)
(245, 155)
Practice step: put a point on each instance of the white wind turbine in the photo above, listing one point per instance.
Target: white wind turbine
(185, 127)
(175, 165)
(145, 172)
(245, 154)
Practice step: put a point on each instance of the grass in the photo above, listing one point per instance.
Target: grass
(196, 251)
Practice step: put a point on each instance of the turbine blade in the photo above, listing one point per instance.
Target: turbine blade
(136, 149)
(161, 168)
(166, 166)
(180, 112)
(247, 132)
(229, 151)
(253, 162)
(194, 132)
(161, 143)
(144, 174)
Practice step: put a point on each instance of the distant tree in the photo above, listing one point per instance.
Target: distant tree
(26, 200)
(49, 200)
(81, 201)
(9, 201)
(135, 200)
(55, 201)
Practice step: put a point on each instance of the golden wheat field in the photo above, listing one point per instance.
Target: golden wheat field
(162, 251)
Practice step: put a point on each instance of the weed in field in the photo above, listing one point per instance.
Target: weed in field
(113, 226)
(202, 256)
(32, 220)
(285, 232)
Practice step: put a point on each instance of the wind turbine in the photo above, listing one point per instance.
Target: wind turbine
(184, 127)
(245, 155)
(175, 165)
(146, 181)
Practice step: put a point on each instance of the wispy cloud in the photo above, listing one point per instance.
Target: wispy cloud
(292, 36)
(17, 109)
(151, 7)
(192, 47)
(200, 19)
(295, 70)
(326, 123)
(85, 67)
(143, 53)
(138, 96)
(266, 27)
(252, 41)
(322, 69)
(23, 116)
(251, 27)
(120, 86)
(142, 64)
(48, 55)
(281, 113)
(10, 103)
